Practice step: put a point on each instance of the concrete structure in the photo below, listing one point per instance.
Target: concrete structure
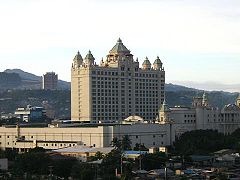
(50, 81)
(30, 114)
(23, 138)
(200, 116)
(117, 88)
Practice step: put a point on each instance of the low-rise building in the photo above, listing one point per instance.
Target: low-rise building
(23, 138)
(83, 153)
(30, 114)
(200, 116)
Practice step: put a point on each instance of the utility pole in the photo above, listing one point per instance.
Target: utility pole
(121, 164)
(140, 161)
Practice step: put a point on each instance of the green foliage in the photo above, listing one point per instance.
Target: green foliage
(116, 143)
(154, 161)
(83, 171)
(123, 144)
(32, 162)
(140, 147)
(9, 154)
(9, 80)
(63, 168)
(111, 162)
(59, 100)
(184, 98)
(126, 143)
(202, 142)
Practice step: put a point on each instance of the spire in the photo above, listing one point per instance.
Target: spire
(119, 40)
(238, 100)
(204, 100)
(164, 107)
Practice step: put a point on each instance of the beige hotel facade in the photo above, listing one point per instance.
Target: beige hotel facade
(116, 88)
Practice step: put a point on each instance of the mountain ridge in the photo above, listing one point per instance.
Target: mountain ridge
(32, 81)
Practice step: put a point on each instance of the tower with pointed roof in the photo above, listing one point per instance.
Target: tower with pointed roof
(205, 100)
(116, 88)
(89, 59)
(146, 64)
(238, 100)
(164, 113)
(77, 61)
(157, 65)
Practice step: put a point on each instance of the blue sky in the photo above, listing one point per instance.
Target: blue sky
(198, 41)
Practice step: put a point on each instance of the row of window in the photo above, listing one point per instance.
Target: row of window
(114, 73)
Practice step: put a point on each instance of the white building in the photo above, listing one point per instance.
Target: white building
(200, 116)
(30, 114)
(116, 88)
(95, 135)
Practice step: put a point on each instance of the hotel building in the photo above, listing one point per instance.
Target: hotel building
(116, 88)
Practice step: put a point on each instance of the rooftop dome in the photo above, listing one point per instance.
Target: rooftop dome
(146, 62)
(158, 61)
(89, 56)
(119, 48)
(78, 57)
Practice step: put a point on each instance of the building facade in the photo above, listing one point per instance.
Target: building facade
(170, 123)
(116, 88)
(30, 114)
(200, 116)
(50, 81)
(23, 138)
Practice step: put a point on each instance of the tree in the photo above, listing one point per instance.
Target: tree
(126, 143)
(154, 161)
(140, 147)
(83, 171)
(116, 142)
(202, 142)
(63, 167)
(32, 163)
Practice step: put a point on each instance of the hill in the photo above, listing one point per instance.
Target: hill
(175, 88)
(9, 81)
(32, 81)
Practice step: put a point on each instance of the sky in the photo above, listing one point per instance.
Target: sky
(198, 41)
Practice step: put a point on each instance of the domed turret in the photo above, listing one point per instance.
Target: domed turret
(77, 61)
(119, 48)
(157, 65)
(146, 64)
(89, 59)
